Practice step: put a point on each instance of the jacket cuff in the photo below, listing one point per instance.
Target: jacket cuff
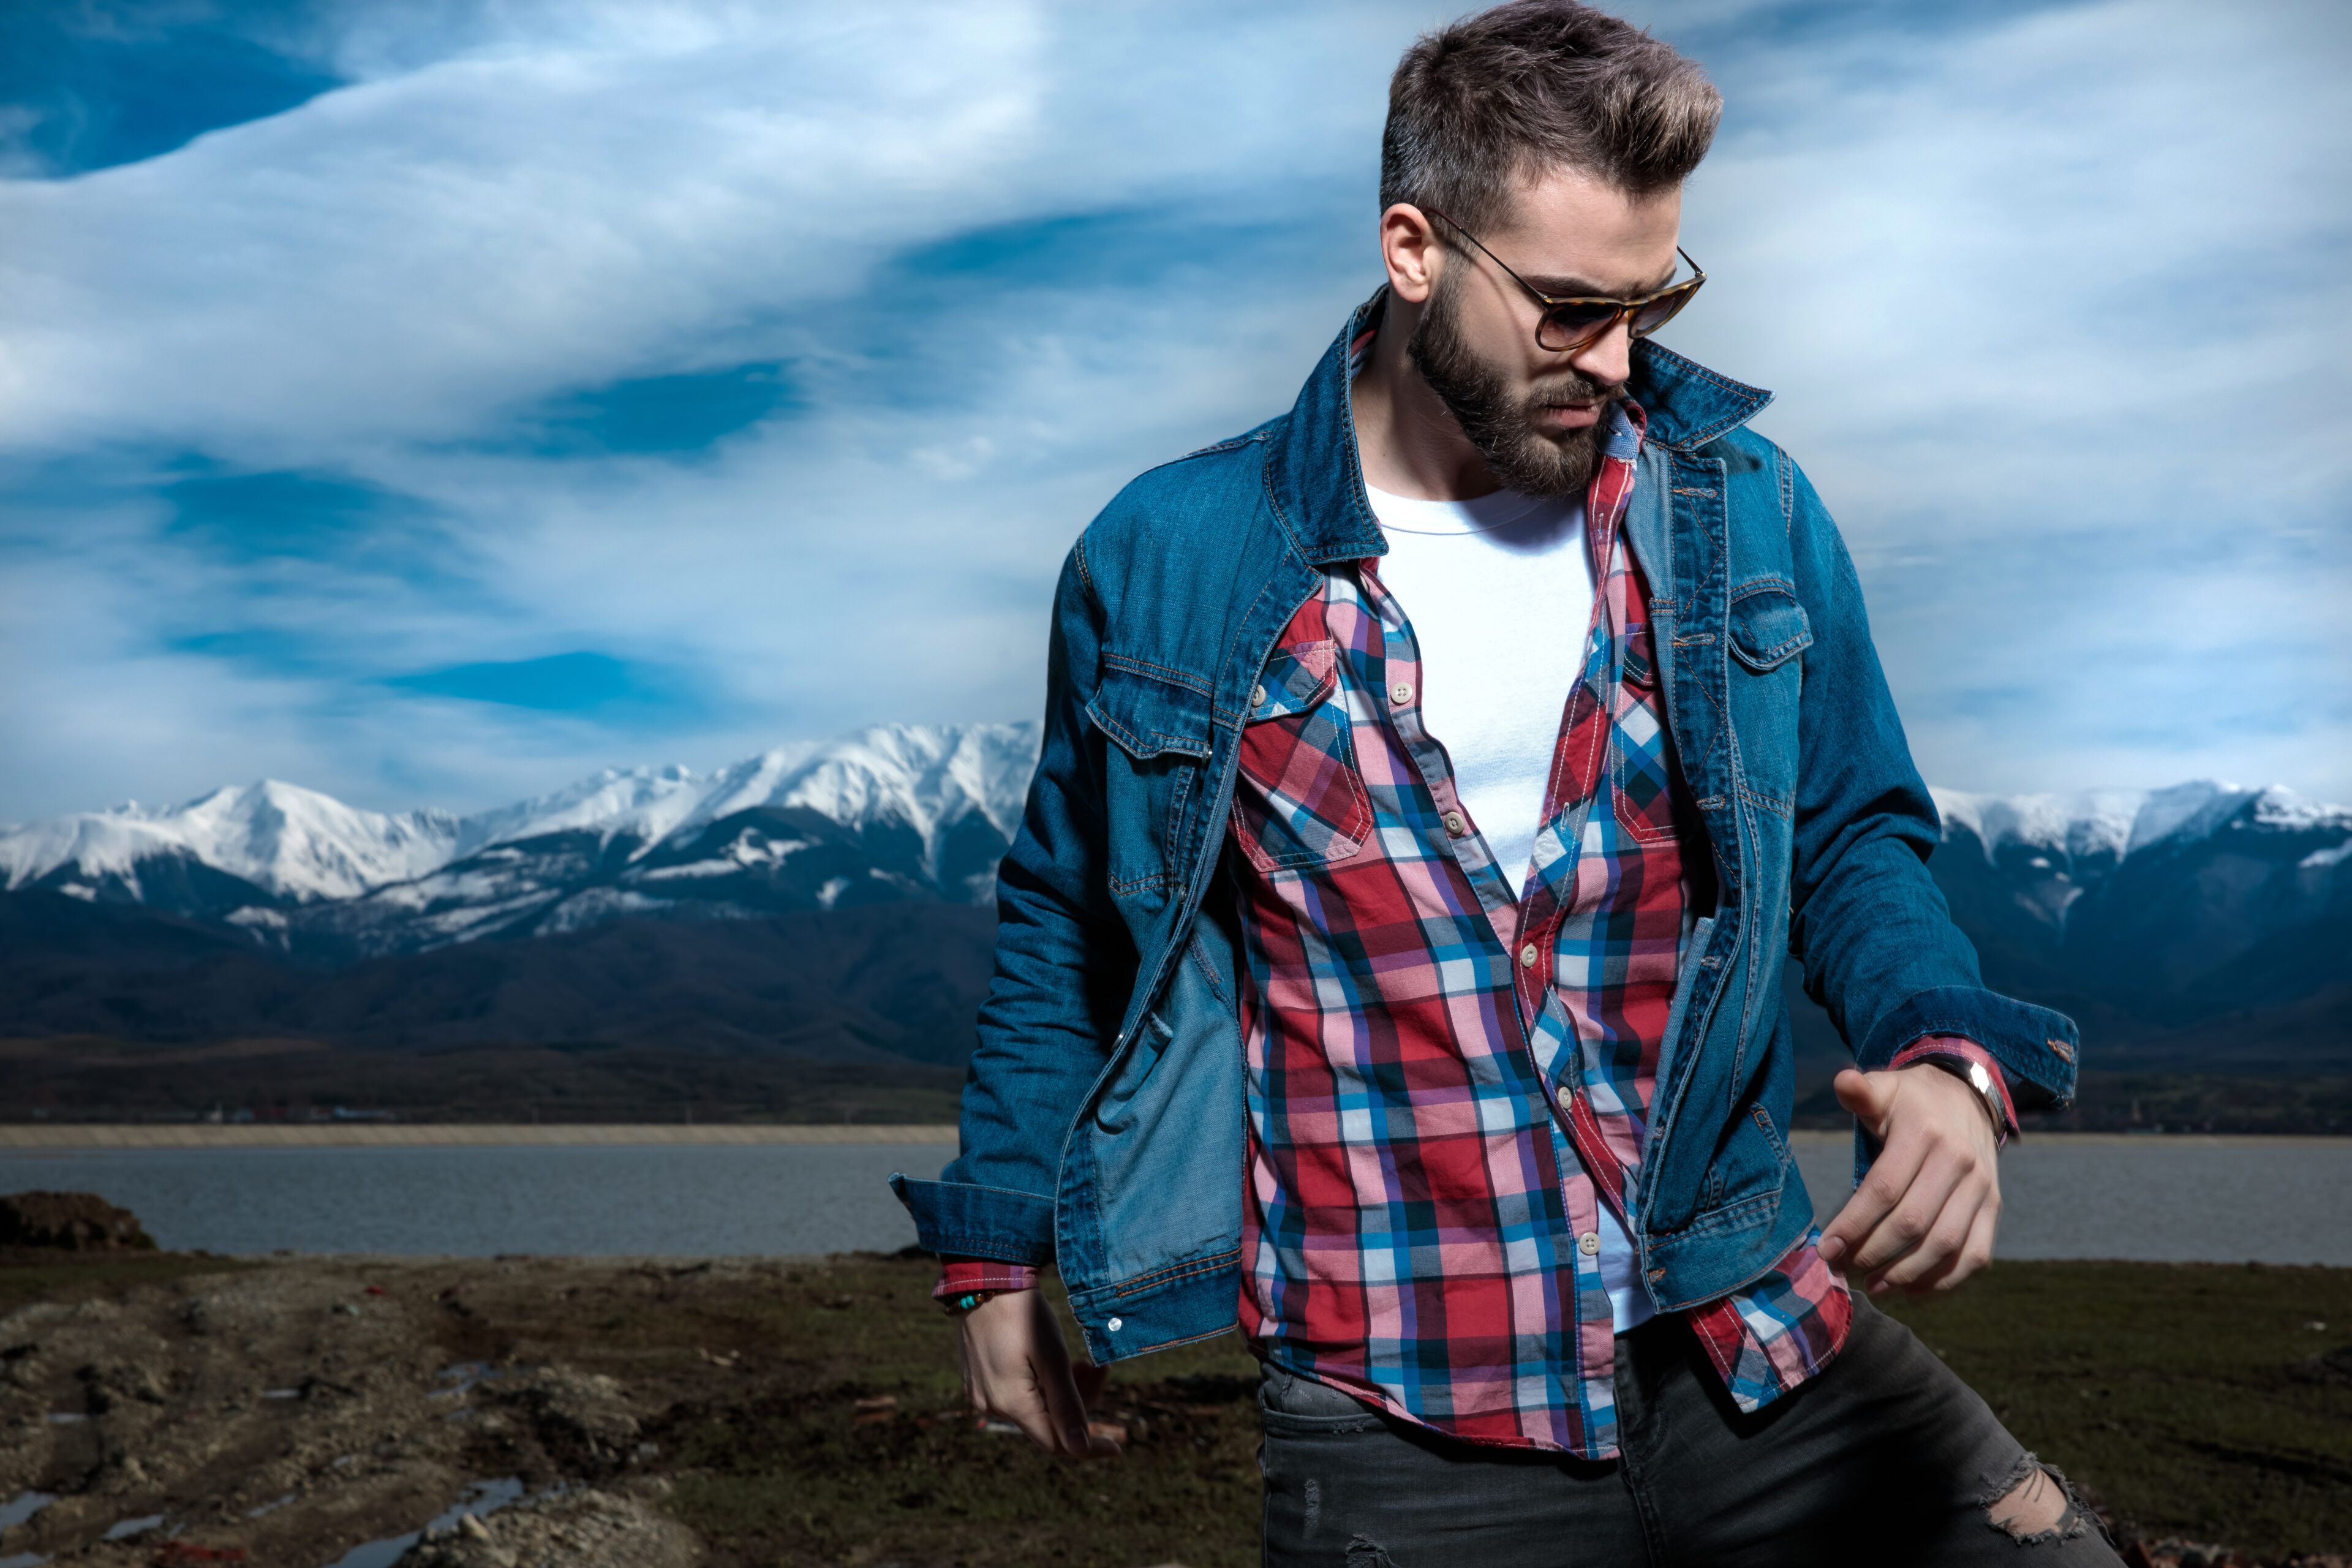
(2034, 1047)
(958, 1219)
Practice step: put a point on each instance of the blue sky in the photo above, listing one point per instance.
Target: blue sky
(431, 403)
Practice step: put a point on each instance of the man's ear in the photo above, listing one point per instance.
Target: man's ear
(1411, 251)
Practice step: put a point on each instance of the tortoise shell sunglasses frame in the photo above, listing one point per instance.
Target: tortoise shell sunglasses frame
(1571, 318)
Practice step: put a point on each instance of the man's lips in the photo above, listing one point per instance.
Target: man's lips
(1568, 415)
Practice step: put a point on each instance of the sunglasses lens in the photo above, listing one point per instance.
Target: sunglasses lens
(1573, 325)
(1661, 310)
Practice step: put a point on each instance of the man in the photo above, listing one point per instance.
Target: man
(1434, 780)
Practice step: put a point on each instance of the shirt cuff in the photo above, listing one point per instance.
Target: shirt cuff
(962, 1276)
(1957, 1054)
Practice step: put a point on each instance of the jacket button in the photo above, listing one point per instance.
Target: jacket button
(1527, 956)
(1588, 1243)
(1258, 696)
(1116, 1324)
(1400, 693)
(1454, 823)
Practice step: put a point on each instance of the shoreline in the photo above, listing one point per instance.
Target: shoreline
(30, 1137)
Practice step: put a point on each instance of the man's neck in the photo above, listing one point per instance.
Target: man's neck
(1407, 441)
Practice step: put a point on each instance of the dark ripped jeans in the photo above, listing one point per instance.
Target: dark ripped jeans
(1886, 1459)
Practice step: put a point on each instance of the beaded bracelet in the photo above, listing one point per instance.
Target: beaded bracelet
(958, 1305)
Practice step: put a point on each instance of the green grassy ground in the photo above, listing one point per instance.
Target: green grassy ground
(2172, 1392)
(2191, 1398)
(2207, 1402)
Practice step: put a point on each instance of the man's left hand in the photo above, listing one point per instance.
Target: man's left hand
(1923, 1218)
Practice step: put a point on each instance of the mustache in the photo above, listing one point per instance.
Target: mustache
(1573, 389)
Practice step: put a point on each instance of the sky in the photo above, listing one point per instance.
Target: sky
(432, 402)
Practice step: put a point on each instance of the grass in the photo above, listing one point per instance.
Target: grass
(2188, 1397)
(786, 1472)
(2170, 1391)
(86, 1277)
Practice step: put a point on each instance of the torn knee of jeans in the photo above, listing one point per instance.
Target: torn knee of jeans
(2035, 1503)
(1364, 1551)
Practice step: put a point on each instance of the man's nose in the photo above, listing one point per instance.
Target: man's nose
(1609, 358)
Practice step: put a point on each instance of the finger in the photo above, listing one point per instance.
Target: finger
(1865, 1096)
(1945, 1236)
(1911, 1220)
(1068, 1411)
(1090, 1380)
(1974, 1254)
(1889, 1178)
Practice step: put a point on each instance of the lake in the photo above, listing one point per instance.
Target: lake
(2156, 1199)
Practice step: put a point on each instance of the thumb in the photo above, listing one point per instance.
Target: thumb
(1866, 1095)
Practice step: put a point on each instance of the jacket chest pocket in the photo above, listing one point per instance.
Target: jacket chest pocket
(1299, 800)
(1770, 633)
(1159, 726)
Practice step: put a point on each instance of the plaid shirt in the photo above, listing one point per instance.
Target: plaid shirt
(1447, 1079)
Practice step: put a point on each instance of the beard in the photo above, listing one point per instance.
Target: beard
(1503, 428)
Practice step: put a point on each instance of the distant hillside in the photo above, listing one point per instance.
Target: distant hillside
(828, 902)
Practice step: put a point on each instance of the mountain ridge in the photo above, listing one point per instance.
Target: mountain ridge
(2146, 914)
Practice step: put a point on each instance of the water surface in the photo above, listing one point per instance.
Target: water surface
(2156, 1199)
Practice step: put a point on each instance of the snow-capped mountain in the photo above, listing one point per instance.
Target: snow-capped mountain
(2154, 898)
(887, 813)
(213, 852)
(2175, 902)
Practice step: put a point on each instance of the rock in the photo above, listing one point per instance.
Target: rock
(587, 1415)
(69, 1222)
(586, 1529)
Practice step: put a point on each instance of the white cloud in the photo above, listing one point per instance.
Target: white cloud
(2052, 305)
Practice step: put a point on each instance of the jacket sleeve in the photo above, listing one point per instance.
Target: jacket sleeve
(1879, 947)
(1064, 963)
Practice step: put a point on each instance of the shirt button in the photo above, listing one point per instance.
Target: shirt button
(1400, 693)
(1527, 956)
(1455, 824)
(1588, 1243)
(1567, 1096)
(1258, 696)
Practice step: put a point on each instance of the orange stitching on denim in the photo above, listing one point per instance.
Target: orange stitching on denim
(1168, 673)
(1178, 1271)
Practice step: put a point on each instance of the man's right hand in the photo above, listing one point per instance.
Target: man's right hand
(1016, 1368)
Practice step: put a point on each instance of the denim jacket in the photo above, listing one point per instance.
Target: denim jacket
(1104, 1116)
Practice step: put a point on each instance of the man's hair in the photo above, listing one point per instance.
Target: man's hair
(1511, 93)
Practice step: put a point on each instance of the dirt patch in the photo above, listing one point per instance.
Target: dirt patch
(297, 1410)
(588, 1529)
(646, 1413)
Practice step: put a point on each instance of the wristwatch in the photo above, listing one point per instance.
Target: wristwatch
(1977, 1078)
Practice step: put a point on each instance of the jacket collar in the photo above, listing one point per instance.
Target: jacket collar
(1316, 477)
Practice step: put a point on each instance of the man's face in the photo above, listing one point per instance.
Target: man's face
(1537, 417)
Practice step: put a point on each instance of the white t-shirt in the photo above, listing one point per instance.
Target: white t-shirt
(1500, 597)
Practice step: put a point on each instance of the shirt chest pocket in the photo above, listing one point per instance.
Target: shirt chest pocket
(1299, 800)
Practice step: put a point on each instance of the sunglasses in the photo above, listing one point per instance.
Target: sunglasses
(1569, 324)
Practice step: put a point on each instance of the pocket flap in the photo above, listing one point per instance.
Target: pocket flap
(1296, 679)
(1768, 627)
(1145, 717)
